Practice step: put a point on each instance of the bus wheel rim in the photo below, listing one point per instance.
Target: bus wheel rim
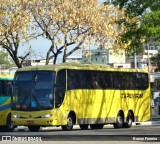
(70, 123)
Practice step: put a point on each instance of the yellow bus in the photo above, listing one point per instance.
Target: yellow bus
(79, 94)
(5, 102)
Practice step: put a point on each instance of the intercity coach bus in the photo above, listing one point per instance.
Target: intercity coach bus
(5, 102)
(79, 94)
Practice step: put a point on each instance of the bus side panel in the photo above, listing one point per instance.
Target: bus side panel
(142, 111)
(97, 106)
(100, 106)
(5, 109)
(71, 103)
(138, 102)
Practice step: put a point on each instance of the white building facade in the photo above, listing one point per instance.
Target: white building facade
(105, 56)
(150, 50)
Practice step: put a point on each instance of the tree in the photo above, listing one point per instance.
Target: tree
(151, 22)
(148, 26)
(156, 59)
(71, 25)
(134, 35)
(14, 28)
(4, 62)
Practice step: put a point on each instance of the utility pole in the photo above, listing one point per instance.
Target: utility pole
(135, 61)
(148, 59)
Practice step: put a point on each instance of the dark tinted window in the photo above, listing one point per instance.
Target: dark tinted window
(87, 79)
(141, 81)
(5, 88)
(60, 88)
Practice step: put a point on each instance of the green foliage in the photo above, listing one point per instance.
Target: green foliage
(151, 22)
(133, 33)
(133, 8)
(4, 62)
(148, 13)
(156, 59)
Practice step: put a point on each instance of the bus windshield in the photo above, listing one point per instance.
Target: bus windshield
(33, 90)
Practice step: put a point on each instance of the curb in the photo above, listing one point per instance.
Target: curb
(142, 123)
(147, 123)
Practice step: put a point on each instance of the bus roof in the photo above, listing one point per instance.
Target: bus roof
(6, 77)
(81, 66)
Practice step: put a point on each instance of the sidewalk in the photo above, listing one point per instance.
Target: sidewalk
(155, 120)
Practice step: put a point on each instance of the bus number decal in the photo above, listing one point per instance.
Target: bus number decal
(131, 95)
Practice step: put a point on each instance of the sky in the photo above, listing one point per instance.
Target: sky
(38, 46)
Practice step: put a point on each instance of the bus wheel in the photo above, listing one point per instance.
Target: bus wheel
(9, 126)
(83, 126)
(70, 122)
(33, 128)
(129, 121)
(96, 126)
(119, 121)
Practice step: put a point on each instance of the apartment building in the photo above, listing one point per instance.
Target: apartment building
(105, 56)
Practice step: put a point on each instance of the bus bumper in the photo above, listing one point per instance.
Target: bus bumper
(39, 122)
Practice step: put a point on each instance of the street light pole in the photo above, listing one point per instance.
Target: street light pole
(148, 59)
(135, 61)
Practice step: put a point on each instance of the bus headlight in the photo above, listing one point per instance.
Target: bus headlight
(15, 116)
(46, 116)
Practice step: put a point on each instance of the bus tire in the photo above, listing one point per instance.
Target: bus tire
(9, 126)
(119, 121)
(129, 121)
(96, 126)
(70, 122)
(33, 128)
(83, 126)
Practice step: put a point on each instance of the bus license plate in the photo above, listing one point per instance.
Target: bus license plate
(30, 122)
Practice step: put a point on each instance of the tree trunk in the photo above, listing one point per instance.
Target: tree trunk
(64, 55)
(55, 58)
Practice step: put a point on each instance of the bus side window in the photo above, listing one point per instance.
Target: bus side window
(116, 81)
(87, 79)
(9, 87)
(130, 80)
(141, 81)
(94, 80)
(73, 79)
(60, 88)
(145, 82)
(0, 88)
(107, 80)
(122, 80)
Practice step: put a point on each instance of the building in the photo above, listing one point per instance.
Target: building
(105, 56)
(142, 59)
(40, 62)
